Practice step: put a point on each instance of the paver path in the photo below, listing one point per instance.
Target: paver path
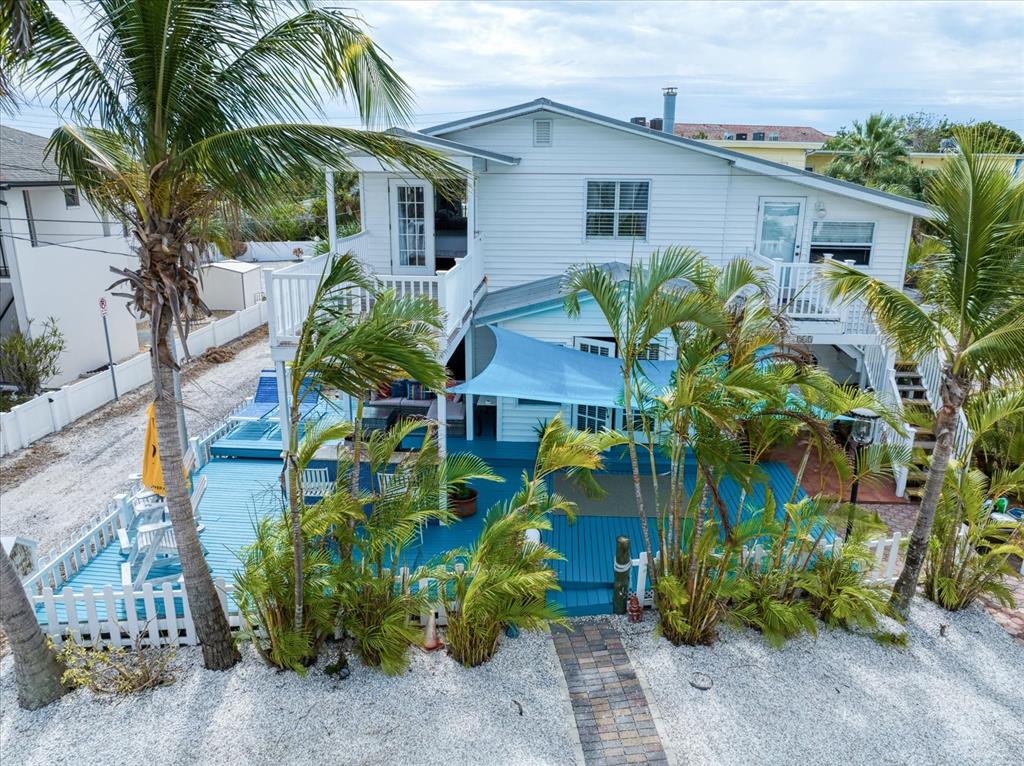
(612, 714)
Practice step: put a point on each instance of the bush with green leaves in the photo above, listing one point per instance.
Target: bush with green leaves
(969, 552)
(502, 579)
(28, 359)
(837, 592)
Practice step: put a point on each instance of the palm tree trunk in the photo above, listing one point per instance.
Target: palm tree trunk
(295, 504)
(634, 462)
(37, 670)
(219, 652)
(945, 428)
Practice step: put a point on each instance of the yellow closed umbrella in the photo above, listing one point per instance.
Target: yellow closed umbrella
(152, 473)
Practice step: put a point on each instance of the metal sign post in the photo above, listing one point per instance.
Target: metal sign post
(106, 334)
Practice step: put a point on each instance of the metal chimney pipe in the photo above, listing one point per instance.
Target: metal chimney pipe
(669, 120)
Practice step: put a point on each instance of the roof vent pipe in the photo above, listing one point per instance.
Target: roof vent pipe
(669, 120)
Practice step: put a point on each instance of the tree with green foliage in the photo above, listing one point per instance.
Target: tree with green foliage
(971, 312)
(992, 138)
(869, 148)
(29, 359)
(179, 107)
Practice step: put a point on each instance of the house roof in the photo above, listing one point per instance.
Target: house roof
(454, 146)
(716, 130)
(23, 160)
(738, 160)
(542, 294)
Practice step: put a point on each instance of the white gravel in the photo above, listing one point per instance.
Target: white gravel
(842, 699)
(90, 460)
(438, 712)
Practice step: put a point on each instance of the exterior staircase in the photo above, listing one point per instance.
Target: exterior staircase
(919, 411)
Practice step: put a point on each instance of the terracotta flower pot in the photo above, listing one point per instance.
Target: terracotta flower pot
(464, 507)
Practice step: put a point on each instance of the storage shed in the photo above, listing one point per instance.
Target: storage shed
(231, 285)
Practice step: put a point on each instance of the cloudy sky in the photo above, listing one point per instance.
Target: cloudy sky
(820, 64)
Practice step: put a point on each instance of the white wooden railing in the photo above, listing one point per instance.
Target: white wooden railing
(290, 292)
(885, 558)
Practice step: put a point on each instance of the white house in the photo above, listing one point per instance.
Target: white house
(56, 252)
(549, 186)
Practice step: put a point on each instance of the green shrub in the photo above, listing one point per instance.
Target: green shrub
(376, 614)
(28, 362)
(968, 554)
(837, 591)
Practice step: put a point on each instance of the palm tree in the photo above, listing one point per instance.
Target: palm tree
(972, 312)
(37, 670)
(341, 349)
(870, 148)
(186, 106)
(655, 298)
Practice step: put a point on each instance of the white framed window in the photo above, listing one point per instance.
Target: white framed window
(71, 198)
(617, 209)
(843, 240)
(543, 132)
(592, 418)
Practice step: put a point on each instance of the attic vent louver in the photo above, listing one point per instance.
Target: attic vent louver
(542, 130)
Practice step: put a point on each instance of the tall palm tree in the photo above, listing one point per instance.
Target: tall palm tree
(37, 670)
(343, 349)
(972, 310)
(656, 297)
(188, 105)
(869, 149)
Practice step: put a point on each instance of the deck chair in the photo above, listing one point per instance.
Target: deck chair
(154, 548)
(316, 482)
(148, 511)
(263, 403)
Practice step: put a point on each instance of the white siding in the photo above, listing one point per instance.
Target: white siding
(531, 216)
(374, 247)
(519, 422)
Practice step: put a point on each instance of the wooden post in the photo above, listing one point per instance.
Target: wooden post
(623, 563)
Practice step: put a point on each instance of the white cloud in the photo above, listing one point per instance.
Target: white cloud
(822, 63)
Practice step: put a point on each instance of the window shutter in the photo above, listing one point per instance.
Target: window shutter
(542, 130)
(840, 232)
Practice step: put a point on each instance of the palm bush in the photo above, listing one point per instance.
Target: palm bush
(837, 591)
(968, 553)
(502, 579)
(373, 609)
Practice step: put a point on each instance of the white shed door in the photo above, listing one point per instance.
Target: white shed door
(412, 226)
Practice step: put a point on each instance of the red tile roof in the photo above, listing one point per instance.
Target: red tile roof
(715, 131)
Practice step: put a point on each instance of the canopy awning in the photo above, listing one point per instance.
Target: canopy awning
(527, 368)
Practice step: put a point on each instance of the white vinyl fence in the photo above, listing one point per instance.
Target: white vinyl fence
(51, 411)
(884, 571)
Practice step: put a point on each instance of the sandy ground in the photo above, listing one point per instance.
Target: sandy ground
(50, 489)
(512, 710)
(841, 699)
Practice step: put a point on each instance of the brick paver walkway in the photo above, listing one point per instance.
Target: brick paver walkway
(1012, 620)
(612, 714)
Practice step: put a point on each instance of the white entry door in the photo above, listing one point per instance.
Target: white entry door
(412, 226)
(588, 417)
(780, 225)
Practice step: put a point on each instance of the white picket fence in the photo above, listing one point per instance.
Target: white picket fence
(51, 411)
(885, 559)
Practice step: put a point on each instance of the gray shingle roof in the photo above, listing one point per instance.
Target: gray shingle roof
(22, 159)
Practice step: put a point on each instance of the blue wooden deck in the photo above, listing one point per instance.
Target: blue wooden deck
(240, 489)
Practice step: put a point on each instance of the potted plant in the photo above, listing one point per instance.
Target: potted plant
(462, 499)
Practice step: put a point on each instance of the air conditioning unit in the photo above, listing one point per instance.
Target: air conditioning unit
(759, 135)
(741, 136)
(773, 136)
(656, 123)
(727, 136)
(641, 121)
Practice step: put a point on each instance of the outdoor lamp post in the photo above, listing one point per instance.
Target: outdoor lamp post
(862, 434)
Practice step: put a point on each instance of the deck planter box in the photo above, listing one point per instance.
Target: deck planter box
(463, 504)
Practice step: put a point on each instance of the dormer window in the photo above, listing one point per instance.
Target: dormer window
(542, 132)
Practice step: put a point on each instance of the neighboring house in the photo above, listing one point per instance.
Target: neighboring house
(548, 186)
(785, 144)
(57, 252)
(818, 159)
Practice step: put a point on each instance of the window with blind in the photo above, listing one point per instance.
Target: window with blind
(617, 209)
(843, 240)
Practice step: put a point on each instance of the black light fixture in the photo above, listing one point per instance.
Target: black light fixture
(862, 434)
